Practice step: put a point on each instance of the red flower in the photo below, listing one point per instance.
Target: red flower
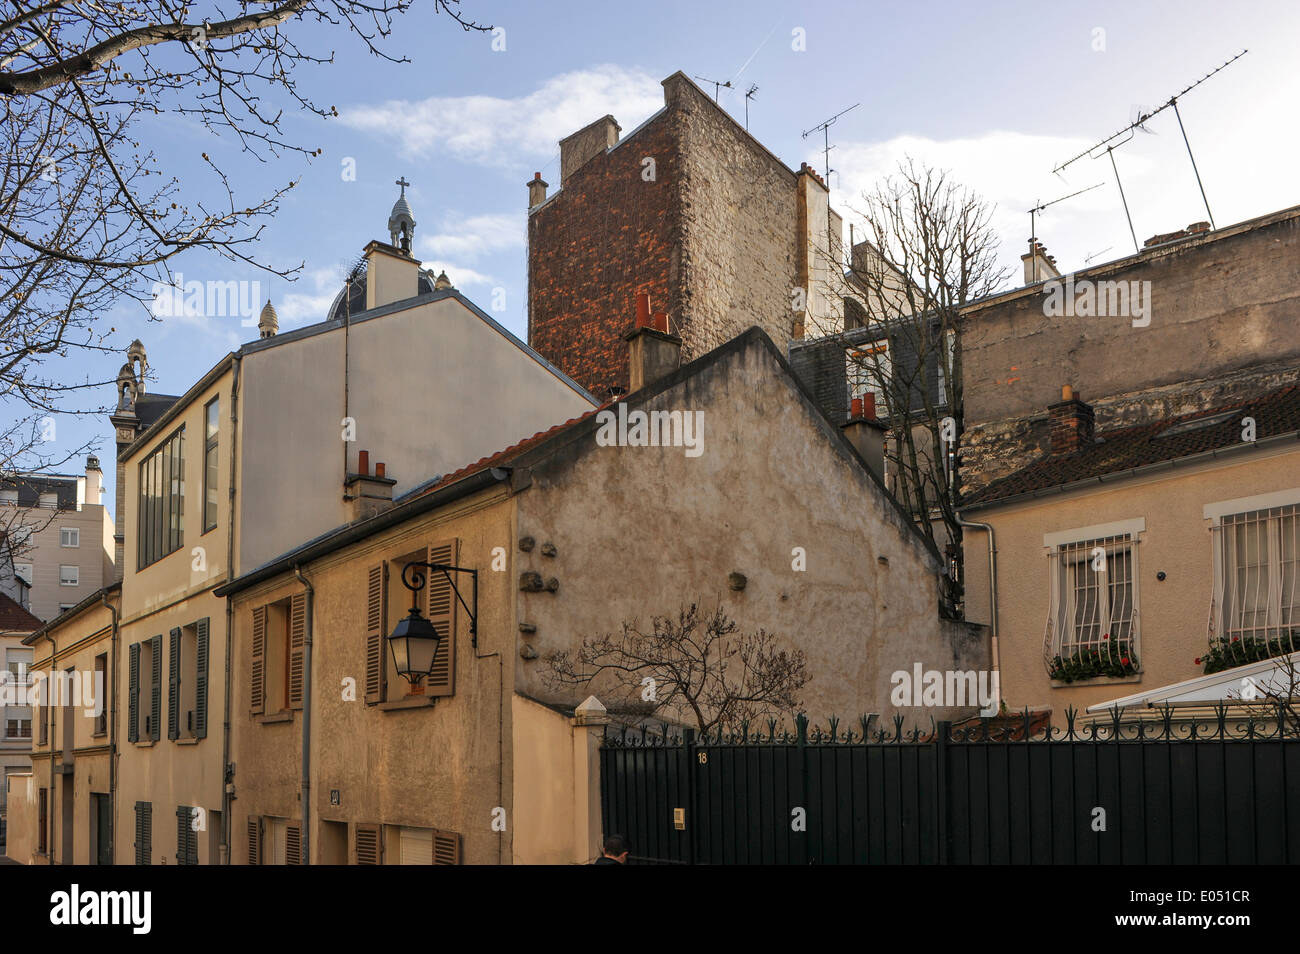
(1236, 639)
(1198, 660)
(1124, 661)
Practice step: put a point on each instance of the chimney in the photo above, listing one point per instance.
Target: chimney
(866, 434)
(653, 351)
(536, 191)
(588, 142)
(390, 275)
(1164, 238)
(1072, 423)
(94, 481)
(367, 494)
(1039, 266)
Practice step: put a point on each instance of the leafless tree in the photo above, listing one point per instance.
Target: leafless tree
(929, 251)
(1274, 696)
(87, 217)
(693, 667)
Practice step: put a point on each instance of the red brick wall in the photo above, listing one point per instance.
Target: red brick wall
(606, 235)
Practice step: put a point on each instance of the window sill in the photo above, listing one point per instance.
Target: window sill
(145, 744)
(186, 741)
(1095, 681)
(274, 717)
(410, 702)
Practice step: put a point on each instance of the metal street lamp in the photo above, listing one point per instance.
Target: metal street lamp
(414, 640)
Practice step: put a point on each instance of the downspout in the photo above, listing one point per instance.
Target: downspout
(112, 736)
(993, 606)
(306, 719)
(49, 734)
(227, 776)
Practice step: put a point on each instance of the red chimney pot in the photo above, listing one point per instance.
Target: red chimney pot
(380, 468)
(363, 463)
(642, 309)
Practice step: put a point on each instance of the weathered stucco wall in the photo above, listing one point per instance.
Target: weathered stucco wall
(1222, 321)
(640, 531)
(1173, 612)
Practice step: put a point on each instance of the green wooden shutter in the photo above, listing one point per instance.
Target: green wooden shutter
(442, 613)
(376, 670)
(297, 647)
(254, 840)
(257, 666)
(446, 848)
(132, 694)
(369, 845)
(155, 725)
(174, 685)
(293, 843)
(201, 679)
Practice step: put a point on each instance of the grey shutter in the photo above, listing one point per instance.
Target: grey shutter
(133, 694)
(143, 833)
(297, 647)
(174, 685)
(376, 670)
(442, 613)
(155, 728)
(201, 679)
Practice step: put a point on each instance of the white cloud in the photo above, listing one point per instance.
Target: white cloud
(303, 307)
(461, 277)
(495, 131)
(475, 236)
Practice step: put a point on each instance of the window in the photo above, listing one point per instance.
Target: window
(211, 415)
(274, 841)
(144, 690)
(869, 371)
(69, 536)
(101, 686)
(276, 664)
(49, 501)
(187, 706)
(18, 724)
(43, 821)
(161, 500)
(69, 575)
(1093, 619)
(1257, 579)
(187, 836)
(8, 497)
(18, 665)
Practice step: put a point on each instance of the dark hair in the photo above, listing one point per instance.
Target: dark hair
(616, 845)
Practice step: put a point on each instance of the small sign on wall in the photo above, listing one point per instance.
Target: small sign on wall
(335, 798)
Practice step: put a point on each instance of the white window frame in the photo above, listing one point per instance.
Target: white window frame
(1120, 535)
(76, 571)
(862, 376)
(1271, 510)
(73, 533)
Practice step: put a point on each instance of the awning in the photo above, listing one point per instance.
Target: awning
(1251, 682)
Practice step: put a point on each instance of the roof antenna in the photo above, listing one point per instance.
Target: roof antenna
(826, 137)
(1088, 260)
(1033, 233)
(749, 94)
(718, 85)
(1110, 143)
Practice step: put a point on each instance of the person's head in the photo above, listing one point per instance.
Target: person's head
(616, 847)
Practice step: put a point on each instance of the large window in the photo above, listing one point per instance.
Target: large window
(211, 415)
(1092, 624)
(1259, 557)
(162, 500)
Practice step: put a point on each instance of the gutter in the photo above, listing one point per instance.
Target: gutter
(227, 770)
(1140, 471)
(112, 735)
(305, 848)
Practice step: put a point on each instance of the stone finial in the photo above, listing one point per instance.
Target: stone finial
(269, 323)
(442, 282)
(590, 712)
(401, 222)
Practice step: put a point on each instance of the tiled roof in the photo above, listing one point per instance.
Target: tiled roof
(1118, 451)
(15, 619)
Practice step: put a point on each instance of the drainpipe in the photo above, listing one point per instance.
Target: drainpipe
(227, 782)
(306, 718)
(112, 735)
(993, 606)
(49, 736)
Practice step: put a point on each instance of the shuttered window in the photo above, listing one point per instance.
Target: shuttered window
(143, 833)
(376, 618)
(369, 845)
(254, 840)
(132, 695)
(187, 839)
(155, 689)
(174, 684)
(201, 679)
(297, 647)
(427, 846)
(446, 848)
(293, 843)
(442, 613)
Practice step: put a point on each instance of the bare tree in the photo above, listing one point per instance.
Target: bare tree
(695, 666)
(87, 217)
(930, 250)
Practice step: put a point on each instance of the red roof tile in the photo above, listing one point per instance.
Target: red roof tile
(15, 619)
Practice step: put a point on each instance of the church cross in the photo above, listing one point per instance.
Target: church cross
(403, 183)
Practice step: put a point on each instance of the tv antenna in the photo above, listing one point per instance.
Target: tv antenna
(749, 94)
(1121, 136)
(1088, 260)
(1041, 206)
(718, 85)
(826, 137)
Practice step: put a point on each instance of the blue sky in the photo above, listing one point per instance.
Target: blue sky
(998, 93)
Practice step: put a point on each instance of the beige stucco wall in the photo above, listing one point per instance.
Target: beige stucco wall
(433, 388)
(432, 767)
(21, 841)
(1174, 613)
(641, 531)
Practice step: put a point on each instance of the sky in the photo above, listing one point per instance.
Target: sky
(998, 94)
